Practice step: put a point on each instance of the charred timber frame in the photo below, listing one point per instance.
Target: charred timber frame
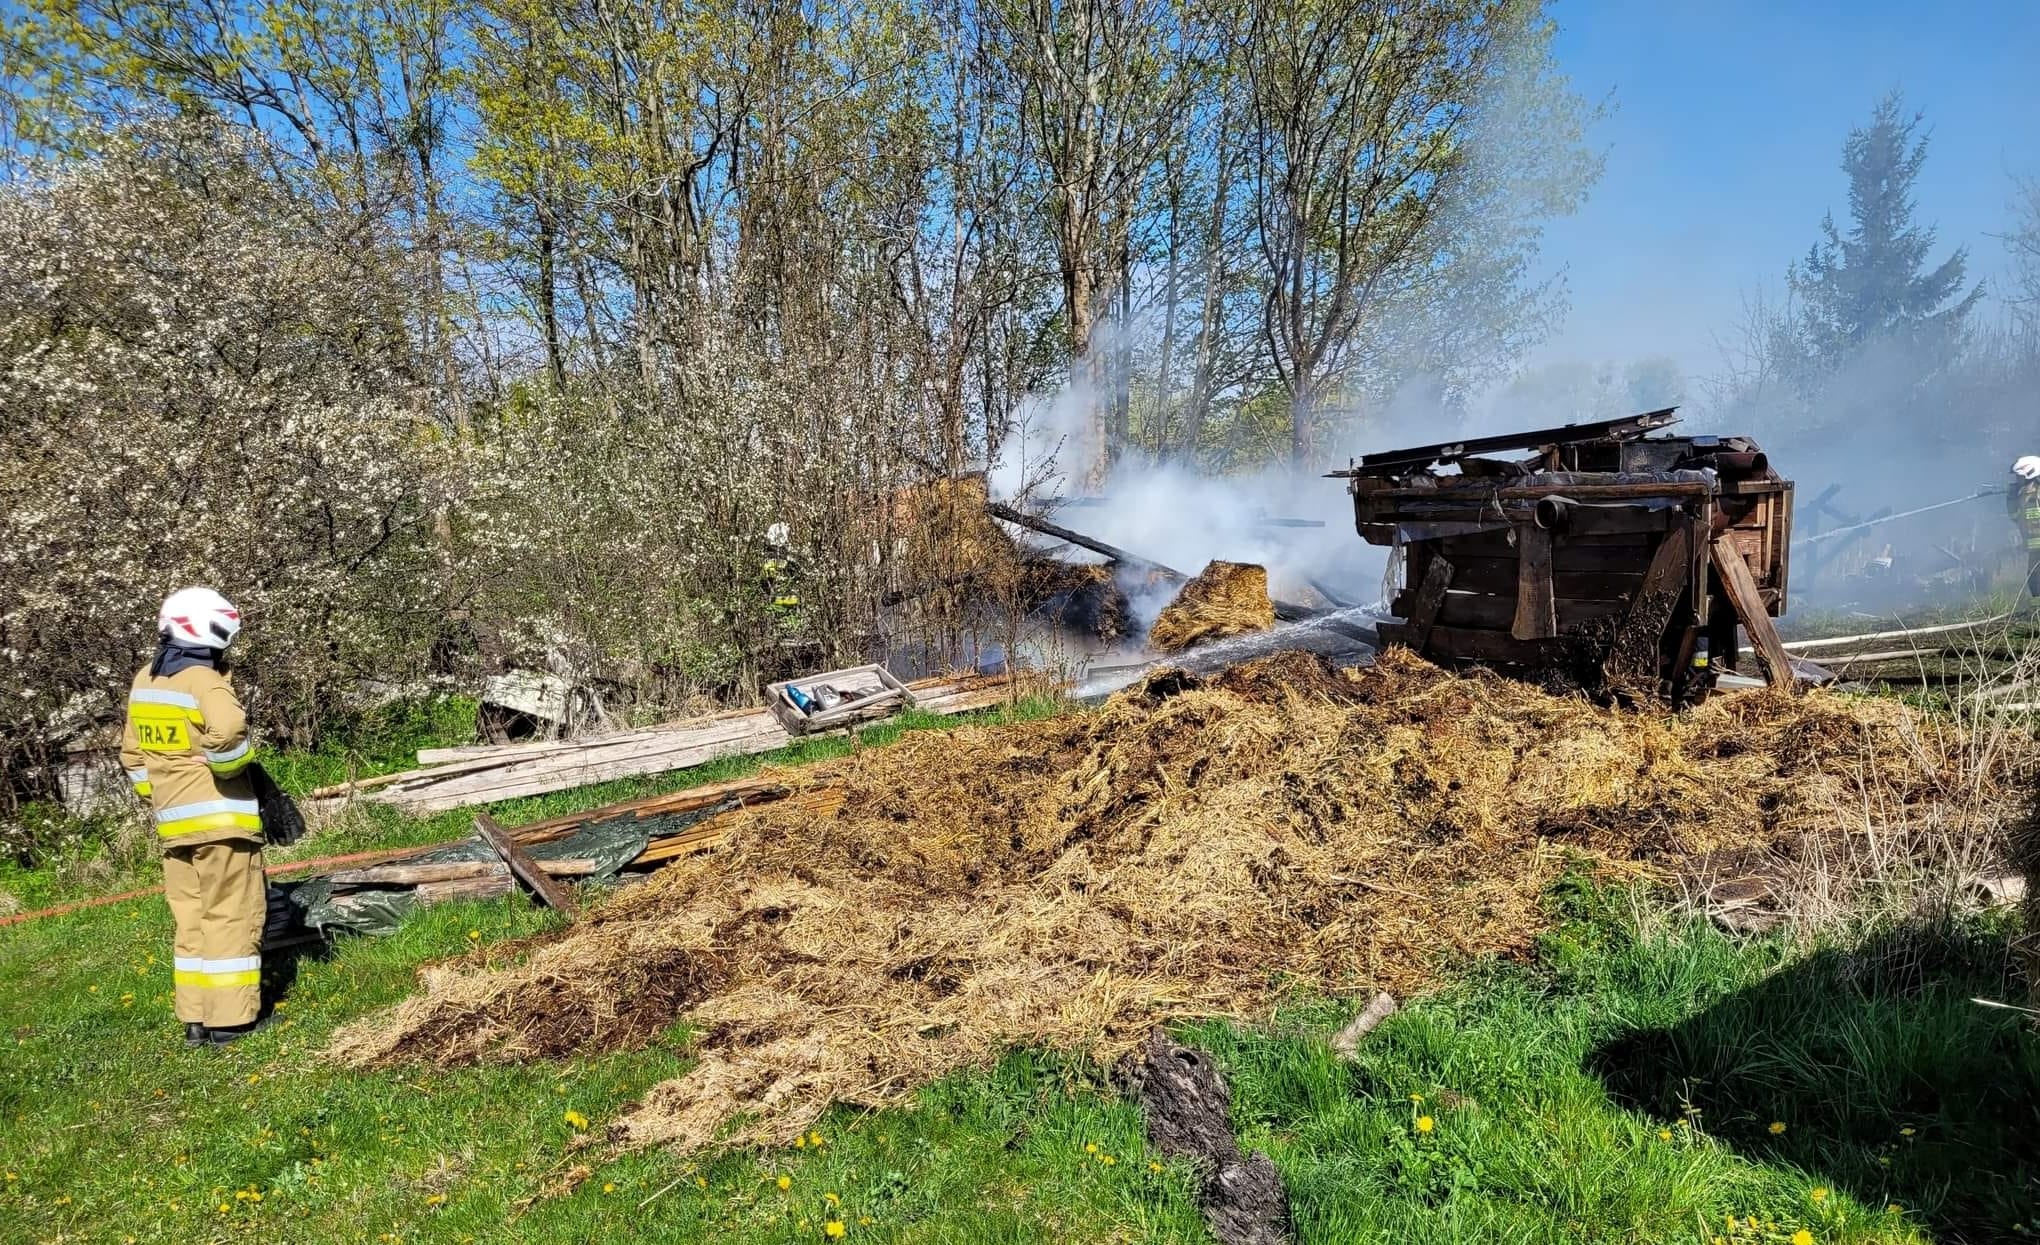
(1606, 552)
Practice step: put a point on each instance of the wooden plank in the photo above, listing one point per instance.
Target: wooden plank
(1781, 533)
(1492, 613)
(523, 867)
(1475, 492)
(748, 790)
(1498, 576)
(491, 887)
(1536, 603)
(1742, 593)
(1639, 645)
(1567, 552)
(1500, 543)
(1588, 522)
(452, 870)
(1437, 579)
(1465, 644)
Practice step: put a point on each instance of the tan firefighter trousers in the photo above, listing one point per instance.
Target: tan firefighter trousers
(217, 898)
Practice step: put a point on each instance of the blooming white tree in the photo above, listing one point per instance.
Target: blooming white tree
(205, 381)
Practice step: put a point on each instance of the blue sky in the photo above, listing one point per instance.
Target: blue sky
(1724, 141)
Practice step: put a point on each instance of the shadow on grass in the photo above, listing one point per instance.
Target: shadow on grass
(1888, 1081)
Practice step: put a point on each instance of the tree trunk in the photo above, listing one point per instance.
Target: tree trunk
(1302, 413)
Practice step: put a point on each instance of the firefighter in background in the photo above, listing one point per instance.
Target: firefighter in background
(2023, 500)
(187, 750)
(777, 572)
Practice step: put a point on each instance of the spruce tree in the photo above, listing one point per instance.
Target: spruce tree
(1870, 288)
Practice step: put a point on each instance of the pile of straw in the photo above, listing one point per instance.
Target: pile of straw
(1193, 848)
(1226, 598)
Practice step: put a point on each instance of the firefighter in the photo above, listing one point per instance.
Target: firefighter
(777, 573)
(187, 751)
(2023, 499)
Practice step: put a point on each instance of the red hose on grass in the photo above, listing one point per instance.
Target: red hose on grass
(292, 866)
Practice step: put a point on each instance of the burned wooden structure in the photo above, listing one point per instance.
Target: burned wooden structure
(1623, 559)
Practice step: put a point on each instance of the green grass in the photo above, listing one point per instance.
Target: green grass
(1621, 1089)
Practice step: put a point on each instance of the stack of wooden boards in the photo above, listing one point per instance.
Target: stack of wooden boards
(484, 774)
(372, 894)
(1987, 661)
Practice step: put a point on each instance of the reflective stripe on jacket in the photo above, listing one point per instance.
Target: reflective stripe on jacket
(186, 749)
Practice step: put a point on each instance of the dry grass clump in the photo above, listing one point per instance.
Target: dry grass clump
(1226, 598)
(1192, 848)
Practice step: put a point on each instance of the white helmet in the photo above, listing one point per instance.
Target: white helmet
(777, 535)
(2027, 468)
(199, 616)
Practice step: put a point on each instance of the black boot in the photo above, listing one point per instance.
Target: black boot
(194, 1033)
(234, 1033)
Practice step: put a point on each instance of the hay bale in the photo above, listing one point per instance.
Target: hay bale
(1193, 848)
(1226, 598)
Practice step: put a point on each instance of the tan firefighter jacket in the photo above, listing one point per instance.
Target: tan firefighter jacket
(186, 749)
(2025, 509)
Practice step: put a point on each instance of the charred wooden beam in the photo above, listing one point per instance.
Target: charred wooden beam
(1623, 429)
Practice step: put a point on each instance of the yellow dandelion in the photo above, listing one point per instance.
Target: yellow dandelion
(784, 1183)
(224, 1208)
(1752, 1222)
(1154, 1167)
(1894, 1209)
(1090, 1147)
(609, 1186)
(832, 1199)
(1819, 1194)
(1802, 1237)
(1425, 1123)
(701, 1182)
(814, 1139)
(65, 1200)
(1107, 1159)
(254, 1078)
(435, 1199)
(866, 1220)
(1906, 1132)
(1664, 1134)
(800, 1142)
(1417, 1098)
(834, 1228)
(474, 935)
(1777, 1126)
(576, 1119)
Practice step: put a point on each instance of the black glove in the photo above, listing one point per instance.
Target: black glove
(282, 823)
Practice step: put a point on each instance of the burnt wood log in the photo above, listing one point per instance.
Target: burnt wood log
(1189, 1116)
